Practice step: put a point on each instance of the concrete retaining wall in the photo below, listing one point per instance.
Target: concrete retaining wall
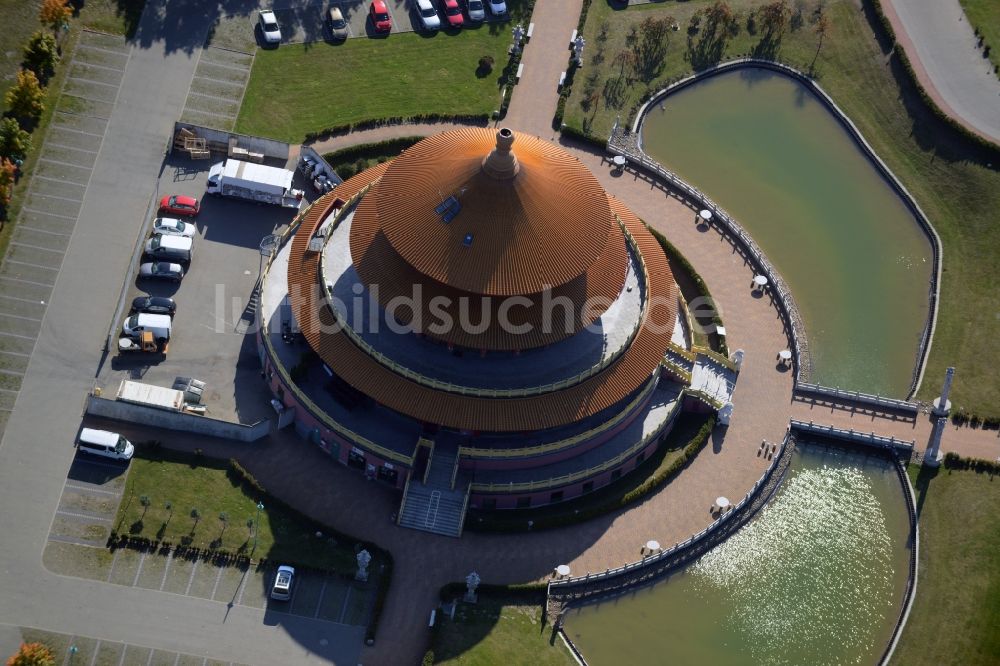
(151, 416)
(268, 147)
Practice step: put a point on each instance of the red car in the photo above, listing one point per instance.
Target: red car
(452, 13)
(178, 204)
(379, 14)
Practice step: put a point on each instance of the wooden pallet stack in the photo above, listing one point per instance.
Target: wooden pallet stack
(192, 144)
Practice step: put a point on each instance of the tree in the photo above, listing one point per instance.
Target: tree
(774, 18)
(54, 13)
(32, 654)
(651, 48)
(26, 99)
(145, 502)
(720, 19)
(41, 54)
(821, 29)
(14, 141)
(7, 171)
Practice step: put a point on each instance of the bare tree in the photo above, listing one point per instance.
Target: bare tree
(650, 49)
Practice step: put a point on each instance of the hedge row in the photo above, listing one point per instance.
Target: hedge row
(501, 521)
(678, 259)
(897, 52)
(350, 161)
(955, 461)
(347, 128)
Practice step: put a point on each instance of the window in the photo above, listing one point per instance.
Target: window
(556, 497)
(356, 459)
(523, 502)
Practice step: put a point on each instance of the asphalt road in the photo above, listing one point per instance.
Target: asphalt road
(37, 448)
(946, 47)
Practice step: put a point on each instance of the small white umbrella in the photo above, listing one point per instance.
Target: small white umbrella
(706, 215)
(760, 280)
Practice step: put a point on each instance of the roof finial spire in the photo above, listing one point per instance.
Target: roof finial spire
(501, 163)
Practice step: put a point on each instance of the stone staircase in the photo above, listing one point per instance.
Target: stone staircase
(433, 506)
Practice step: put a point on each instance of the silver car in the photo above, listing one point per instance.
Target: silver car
(282, 588)
(475, 10)
(338, 26)
(161, 270)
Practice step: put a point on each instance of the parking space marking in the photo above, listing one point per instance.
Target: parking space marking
(35, 247)
(12, 353)
(98, 48)
(89, 99)
(322, 593)
(94, 64)
(45, 231)
(37, 284)
(85, 461)
(7, 390)
(218, 576)
(198, 94)
(166, 568)
(194, 567)
(67, 128)
(99, 83)
(343, 609)
(138, 569)
(59, 180)
(243, 586)
(210, 113)
(42, 212)
(4, 314)
(114, 561)
(25, 263)
(97, 649)
(235, 68)
(87, 489)
(53, 196)
(235, 84)
(52, 144)
(84, 516)
(12, 373)
(69, 164)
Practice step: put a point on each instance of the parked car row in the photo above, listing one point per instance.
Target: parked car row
(454, 12)
(171, 247)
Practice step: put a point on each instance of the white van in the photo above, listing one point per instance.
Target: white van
(169, 247)
(157, 324)
(105, 443)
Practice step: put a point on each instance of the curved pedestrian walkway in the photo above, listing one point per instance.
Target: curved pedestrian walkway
(941, 45)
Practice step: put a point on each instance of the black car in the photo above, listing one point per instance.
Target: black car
(154, 305)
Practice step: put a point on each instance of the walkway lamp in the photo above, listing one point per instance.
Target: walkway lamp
(256, 529)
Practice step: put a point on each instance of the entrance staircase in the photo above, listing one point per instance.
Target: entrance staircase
(430, 504)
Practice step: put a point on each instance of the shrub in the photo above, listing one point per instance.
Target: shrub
(7, 171)
(428, 659)
(41, 55)
(485, 65)
(14, 141)
(32, 654)
(53, 13)
(26, 98)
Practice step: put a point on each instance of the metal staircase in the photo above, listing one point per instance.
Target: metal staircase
(432, 505)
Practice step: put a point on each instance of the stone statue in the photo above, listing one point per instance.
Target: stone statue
(471, 583)
(518, 36)
(364, 559)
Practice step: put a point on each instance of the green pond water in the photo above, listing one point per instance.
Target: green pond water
(770, 153)
(817, 578)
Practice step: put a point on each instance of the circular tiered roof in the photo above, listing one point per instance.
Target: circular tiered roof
(520, 228)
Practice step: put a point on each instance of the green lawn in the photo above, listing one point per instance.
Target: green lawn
(985, 15)
(20, 21)
(957, 609)
(950, 178)
(496, 631)
(118, 17)
(307, 88)
(208, 488)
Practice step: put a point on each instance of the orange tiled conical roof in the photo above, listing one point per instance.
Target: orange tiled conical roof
(529, 221)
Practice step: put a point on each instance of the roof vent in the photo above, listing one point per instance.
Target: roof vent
(467, 241)
(501, 163)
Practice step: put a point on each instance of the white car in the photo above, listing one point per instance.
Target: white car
(282, 588)
(498, 7)
(476, 11)
(429, 18)
(173, 227)
(269, 26)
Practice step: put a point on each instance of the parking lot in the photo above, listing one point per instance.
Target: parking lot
(303, 22)
(53, 201)
(217, 88)
(212, 337)
(89, 502)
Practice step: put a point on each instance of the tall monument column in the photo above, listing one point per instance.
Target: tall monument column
(932, 456)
